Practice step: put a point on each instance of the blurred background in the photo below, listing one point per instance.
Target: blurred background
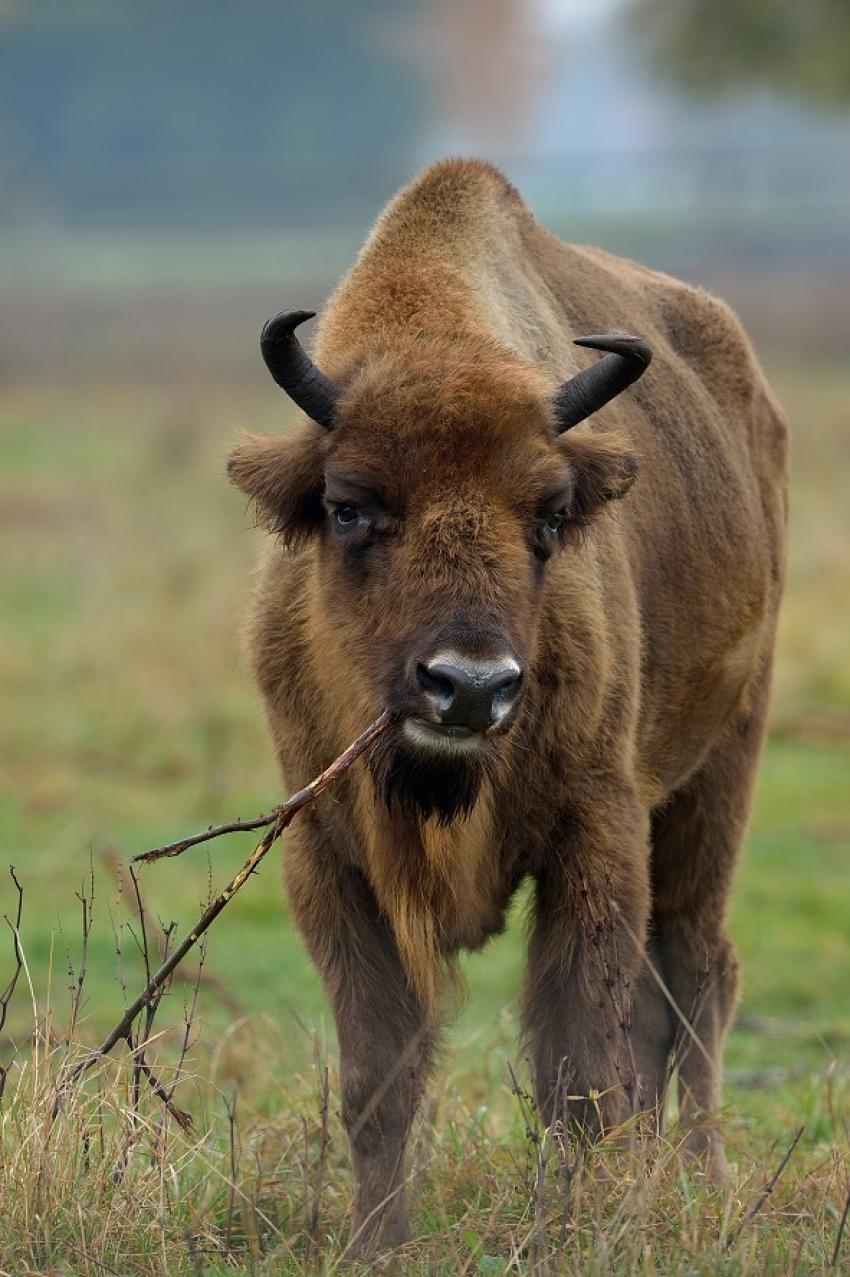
(170, 175)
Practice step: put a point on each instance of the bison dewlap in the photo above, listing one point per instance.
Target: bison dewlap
(536, 507)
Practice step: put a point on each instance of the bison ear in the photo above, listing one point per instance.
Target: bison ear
(284, 479)
(605, 468)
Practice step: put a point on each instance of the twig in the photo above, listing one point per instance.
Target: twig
(141, 1064)
(282, 817)
(150, 1011)
(214, 831)
(78, 982)
(768, 1189)
(833, 1263)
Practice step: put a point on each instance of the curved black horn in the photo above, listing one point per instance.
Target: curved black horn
(294, 370)
(593, 387)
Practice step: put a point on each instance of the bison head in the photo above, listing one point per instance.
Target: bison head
(437, 481)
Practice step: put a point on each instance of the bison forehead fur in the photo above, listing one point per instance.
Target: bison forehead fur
(580, 681)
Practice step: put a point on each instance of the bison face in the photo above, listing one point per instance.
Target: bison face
(432, 509)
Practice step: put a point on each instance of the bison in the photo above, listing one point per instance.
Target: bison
(563, 582)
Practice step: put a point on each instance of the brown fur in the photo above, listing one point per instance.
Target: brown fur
(623, 788)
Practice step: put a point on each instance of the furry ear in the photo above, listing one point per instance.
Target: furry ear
(284, 479)
(605, 468)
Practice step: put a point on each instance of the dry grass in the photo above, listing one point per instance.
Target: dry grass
(98, 1176)
(116, 1186)
(126, 718)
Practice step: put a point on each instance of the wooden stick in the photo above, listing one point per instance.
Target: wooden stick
(282, 816)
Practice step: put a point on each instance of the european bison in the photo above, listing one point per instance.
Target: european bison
(573, 626)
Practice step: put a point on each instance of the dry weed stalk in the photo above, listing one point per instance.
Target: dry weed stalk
(312, 1201)
(6, 995)
(765, 1193)
(833, 1263)
(275, 823)
(187, 974)
(539, 1237)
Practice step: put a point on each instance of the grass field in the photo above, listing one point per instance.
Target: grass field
(127, 720)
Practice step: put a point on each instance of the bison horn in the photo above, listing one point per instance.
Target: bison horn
(593, 387)
(294, 370)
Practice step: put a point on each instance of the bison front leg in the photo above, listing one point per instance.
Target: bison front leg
(384, 1040)
(383, 1063)
(585, 957)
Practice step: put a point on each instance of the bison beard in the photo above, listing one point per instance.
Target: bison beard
(425, 786)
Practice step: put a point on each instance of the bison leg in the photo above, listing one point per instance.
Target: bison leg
(696, 840)
(384, 1043)
(584, 961)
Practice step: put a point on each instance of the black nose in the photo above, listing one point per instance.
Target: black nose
(476, 694)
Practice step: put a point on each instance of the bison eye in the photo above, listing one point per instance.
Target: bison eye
(346, 517)
(548, 530)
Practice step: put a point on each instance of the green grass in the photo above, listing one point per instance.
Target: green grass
(128, 720)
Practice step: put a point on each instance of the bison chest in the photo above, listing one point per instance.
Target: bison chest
(448, 881)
